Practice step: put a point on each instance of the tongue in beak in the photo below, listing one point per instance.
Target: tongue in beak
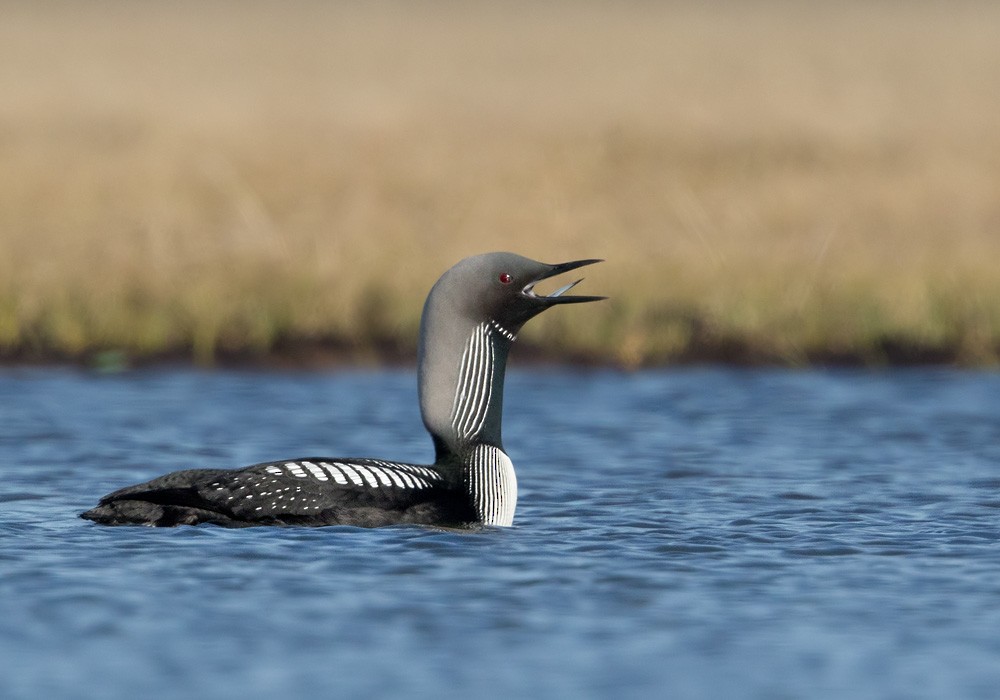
(558, 296)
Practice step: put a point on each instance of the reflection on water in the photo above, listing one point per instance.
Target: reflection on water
(697, 533)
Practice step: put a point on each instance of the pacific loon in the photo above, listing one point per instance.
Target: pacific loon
(470, 320)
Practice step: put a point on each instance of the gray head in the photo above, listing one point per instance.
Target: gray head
(472, 315)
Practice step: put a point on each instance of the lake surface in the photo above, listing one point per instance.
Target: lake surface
(697, 533)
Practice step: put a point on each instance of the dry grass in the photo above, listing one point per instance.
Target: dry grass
(776, 181)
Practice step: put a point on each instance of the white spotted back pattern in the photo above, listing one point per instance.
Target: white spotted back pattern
(371, 473)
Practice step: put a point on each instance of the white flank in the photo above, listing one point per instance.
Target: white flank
(493, 485)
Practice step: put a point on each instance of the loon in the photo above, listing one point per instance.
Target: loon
(470, 320)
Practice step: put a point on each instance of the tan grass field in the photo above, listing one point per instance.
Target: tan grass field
(769, 181)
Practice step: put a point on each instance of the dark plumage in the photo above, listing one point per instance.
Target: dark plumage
(470, 320)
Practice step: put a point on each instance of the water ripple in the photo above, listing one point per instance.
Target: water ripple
(699, 532)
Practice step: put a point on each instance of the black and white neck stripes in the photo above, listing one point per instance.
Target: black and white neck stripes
(489, 472)
(474, 388)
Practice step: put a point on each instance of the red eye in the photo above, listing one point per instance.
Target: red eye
(505, 278)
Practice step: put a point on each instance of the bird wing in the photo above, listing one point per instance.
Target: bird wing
(308, 487)
(313, 491)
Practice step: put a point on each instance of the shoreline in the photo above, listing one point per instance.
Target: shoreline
(297, 175)
(313, 355)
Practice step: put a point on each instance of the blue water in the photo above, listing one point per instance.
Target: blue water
(697, 533)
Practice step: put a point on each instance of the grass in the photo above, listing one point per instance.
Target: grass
(770, 181)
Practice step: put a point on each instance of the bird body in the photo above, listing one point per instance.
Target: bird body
(470, 320)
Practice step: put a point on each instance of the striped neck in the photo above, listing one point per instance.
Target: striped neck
(478, 402)
(461, 389)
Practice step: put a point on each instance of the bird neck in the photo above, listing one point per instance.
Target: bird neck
(461, 380)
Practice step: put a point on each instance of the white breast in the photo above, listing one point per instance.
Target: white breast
(493, 485)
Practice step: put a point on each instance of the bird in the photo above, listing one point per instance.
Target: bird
(470, 320)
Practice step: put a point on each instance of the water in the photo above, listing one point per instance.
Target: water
(697, 533)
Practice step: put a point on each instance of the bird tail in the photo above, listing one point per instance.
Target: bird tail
(166, 501)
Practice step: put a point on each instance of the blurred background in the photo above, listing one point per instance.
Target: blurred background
(278, 184)
(776, 182)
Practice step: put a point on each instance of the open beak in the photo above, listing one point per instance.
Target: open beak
(559, 296)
